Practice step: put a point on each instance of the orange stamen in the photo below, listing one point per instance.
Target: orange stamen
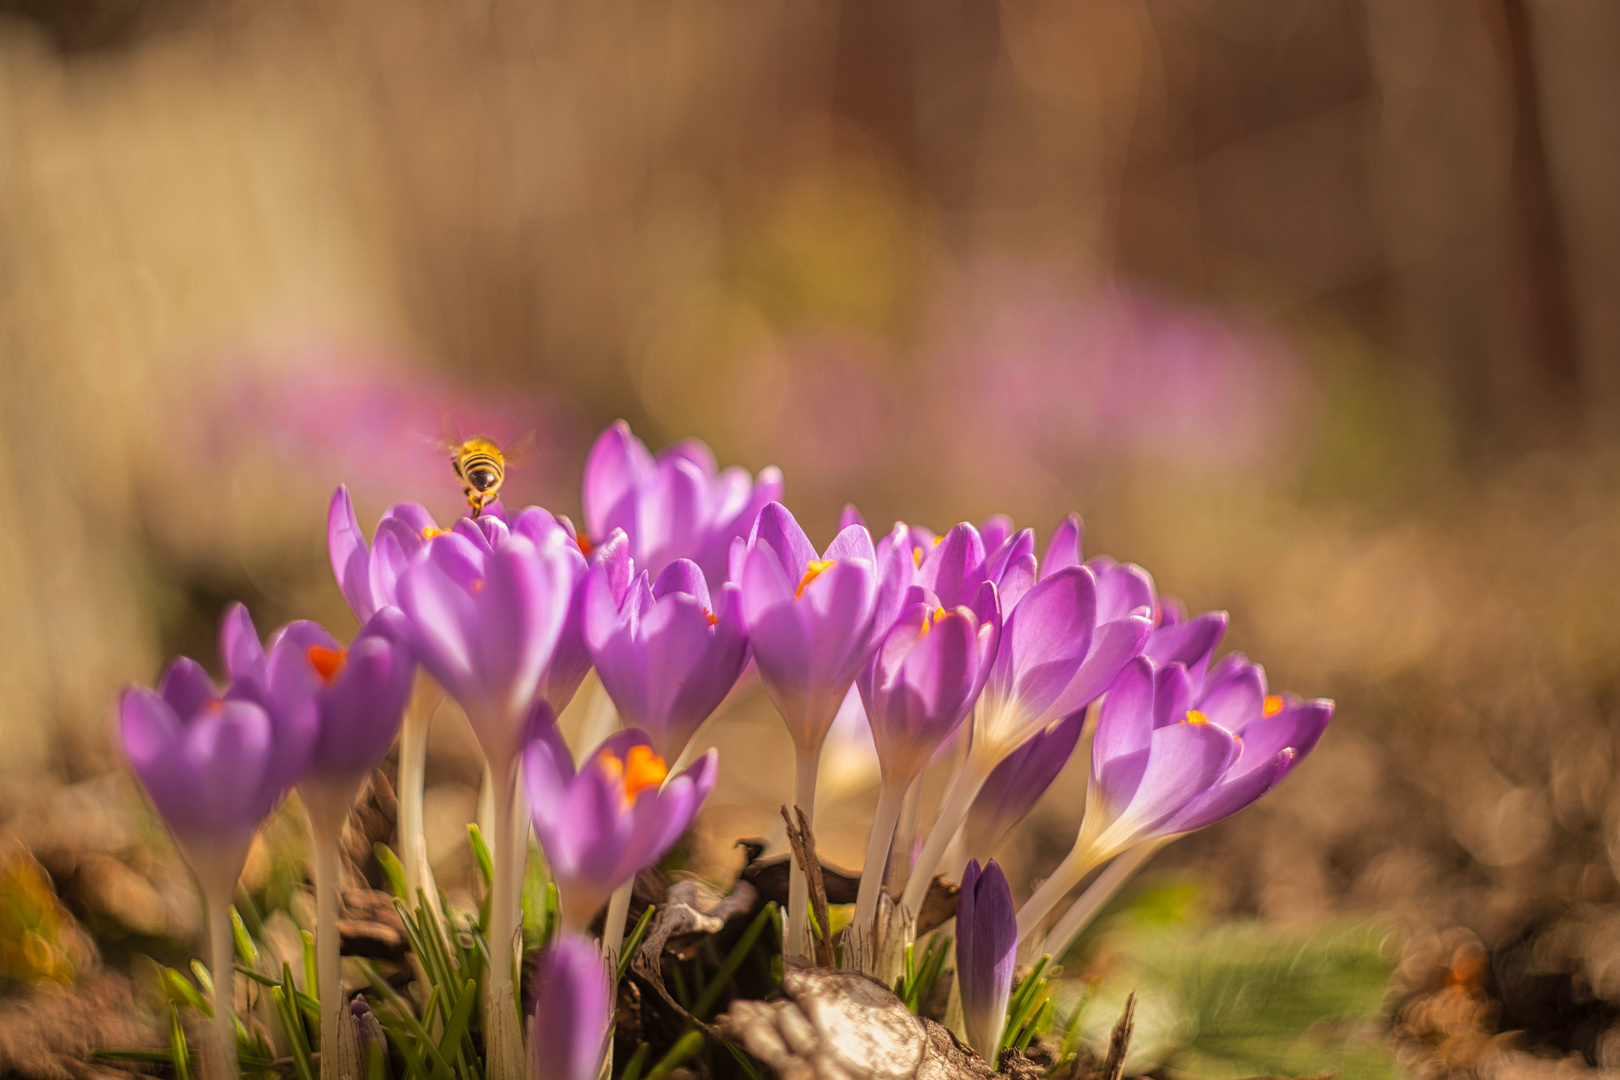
(928, 623)
(1196, 717)
(916, 556)
(477, 585)
(714, 620)
(1273, 705)
(811, 572)
(430, 532)
(641, 769)
(585, 545)
(328, 663)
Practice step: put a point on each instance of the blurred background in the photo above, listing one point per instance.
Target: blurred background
(1312, 307)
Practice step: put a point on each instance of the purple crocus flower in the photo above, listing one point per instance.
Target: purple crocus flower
(963, 559)
(573, 1011)
(666, 652)
(618, 814)
(917, 689)
(1054, 660)
(214, 765)
(487, 606)
(1018, 783)
(367, 573)
(677, 504)
(925, 676)
(986, 953)
(355, 695)
(814, 620)
(1125, 588)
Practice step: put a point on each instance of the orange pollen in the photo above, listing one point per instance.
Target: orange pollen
(929, 623)
(811, 572)
(585, 545)
(916, 556)
(328, 663)
(641, 769)
(1196, 717)
(1273, 705)
(477, 585)
(216, 706)
(430, 532)
(714, 620)
(938, 540)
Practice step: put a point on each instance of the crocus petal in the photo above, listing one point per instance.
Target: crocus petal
(1184, 760)
(346, 547)
(1189, 641)
(239, 645)
(1113, 644)
(573, 1008)
(1231, 794)
(1018, 783)
(444, 624)
(616, 466)
(776, 530)
(1044, 641)
(1063, 550)
(186, 687)
(954, 569)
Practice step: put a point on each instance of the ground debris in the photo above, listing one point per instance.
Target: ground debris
(840, 1025)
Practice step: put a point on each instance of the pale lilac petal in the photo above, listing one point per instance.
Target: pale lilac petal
(346, 547)
(1063, 550)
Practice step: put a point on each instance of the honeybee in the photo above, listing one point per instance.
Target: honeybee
(480, 464)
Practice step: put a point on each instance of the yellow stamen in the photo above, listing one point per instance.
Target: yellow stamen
(430, 532)
(811, 572)
(1196, 717)
(641, 769)
(328, 663)
(928, 623)
(1273, 705)
(916, 556)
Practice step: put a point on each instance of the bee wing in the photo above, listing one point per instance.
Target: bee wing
(450, 440)
(525, 447)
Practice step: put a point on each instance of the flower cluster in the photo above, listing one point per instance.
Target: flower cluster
(971, 650)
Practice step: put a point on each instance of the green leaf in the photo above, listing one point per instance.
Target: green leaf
(486, 865)
(728, 968)
(393, 870)
(292, 1025)
(246, 951)
(177, 1045)
(633, 942)
(181, 992)
(684, 1047)
(637, 1062)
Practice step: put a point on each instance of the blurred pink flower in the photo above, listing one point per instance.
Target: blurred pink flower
(1041, 369)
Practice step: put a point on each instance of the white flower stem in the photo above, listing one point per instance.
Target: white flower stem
(506, 1061)
(328, 807)
(891, 797)
(1096, 896)
(975, 771)
(613, 922)
(219, 1058)
(1080, 861)
(412, 781)
(807, 763)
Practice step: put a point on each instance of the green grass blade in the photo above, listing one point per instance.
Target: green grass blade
(633, 942)
(177, 1043)
(294, 1028)
(728, 968)
(205, 981)
(181, 992)
(312, 981)
(744, 1062)
(637, 1062)
(486, 865)
(684, 1047)
(393, 870)
(456, 1026)
(246, 951)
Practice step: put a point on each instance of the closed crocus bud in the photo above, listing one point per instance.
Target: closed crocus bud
(614, 817)
(962, 561)
(573, 1011)
(1018, 783)
(675, 505)
(986, 953)
(667, 651)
